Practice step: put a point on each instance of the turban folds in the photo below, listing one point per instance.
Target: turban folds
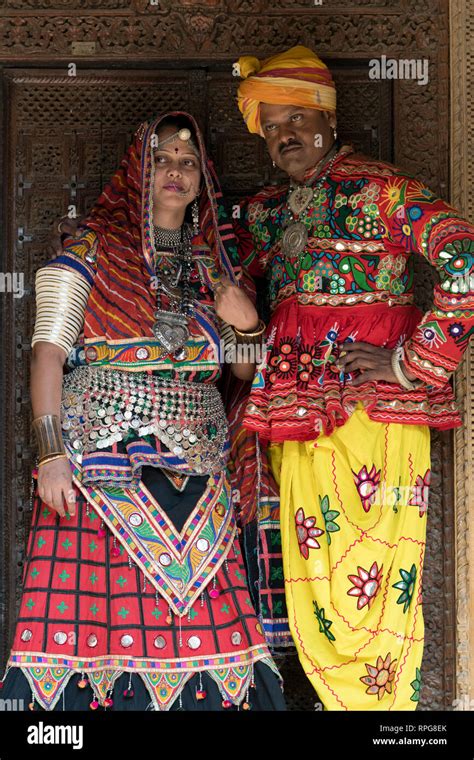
(296, 77)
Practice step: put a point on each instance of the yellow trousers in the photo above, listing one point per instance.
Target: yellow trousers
(353, 527)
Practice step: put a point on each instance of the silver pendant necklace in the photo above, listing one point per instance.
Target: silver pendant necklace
(295, 236)
(171, 325)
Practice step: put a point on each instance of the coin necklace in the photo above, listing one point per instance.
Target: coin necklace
(171, 325)
(295, 236)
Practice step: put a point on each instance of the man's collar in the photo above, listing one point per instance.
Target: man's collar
(315, 171)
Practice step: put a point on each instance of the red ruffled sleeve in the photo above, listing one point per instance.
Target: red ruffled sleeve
(434, 229)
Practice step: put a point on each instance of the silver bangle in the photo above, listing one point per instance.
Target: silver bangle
(396, 360)
(61, 298)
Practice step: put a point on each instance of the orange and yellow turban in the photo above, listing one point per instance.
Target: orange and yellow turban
(296, 77)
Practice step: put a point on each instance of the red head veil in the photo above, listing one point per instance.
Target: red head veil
(121, 303)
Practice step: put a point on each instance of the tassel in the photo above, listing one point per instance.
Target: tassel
(214, 593)
(129, 692)
(115, 550)
(246, 705)
(200, 693)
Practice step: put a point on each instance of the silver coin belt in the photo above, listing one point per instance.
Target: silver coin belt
(100, 407)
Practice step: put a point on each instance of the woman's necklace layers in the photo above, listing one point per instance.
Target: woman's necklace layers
(171, 325)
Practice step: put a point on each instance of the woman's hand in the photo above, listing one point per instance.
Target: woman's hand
(55, 486)
(68, 226)
(234, 306)
(373, 362)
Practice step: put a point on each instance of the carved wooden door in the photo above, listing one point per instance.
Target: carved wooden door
(65, 136)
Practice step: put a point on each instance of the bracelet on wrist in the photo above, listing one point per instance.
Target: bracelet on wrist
(396, 361)
(49, 436)
(51, 458)
(253, 336)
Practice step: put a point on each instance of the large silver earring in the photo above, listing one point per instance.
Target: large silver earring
(195, 214)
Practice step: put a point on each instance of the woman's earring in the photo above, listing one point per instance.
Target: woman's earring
(335, 132)
(195, 213)
(274, 164)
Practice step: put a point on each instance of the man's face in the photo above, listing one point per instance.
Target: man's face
(297, 138)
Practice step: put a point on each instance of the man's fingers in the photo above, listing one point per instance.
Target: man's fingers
(358, 344)
(366, 377)
(358, 360)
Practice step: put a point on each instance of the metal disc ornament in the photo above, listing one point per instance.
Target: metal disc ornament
(294, 239)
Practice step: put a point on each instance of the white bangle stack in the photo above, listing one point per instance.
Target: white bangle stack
(61, 298)
(397, 357)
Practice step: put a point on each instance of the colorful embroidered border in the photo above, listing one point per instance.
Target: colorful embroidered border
(153, 537)
(124, 468)
(78, 664)
(232, 674)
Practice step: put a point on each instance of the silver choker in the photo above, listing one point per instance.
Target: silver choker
(167, 238)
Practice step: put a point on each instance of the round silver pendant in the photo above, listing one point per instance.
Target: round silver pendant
(294, 239)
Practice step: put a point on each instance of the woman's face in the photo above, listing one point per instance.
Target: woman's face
(177, 171)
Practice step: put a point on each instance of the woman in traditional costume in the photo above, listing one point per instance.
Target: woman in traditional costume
(134, 590)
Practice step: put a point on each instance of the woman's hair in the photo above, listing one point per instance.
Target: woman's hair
(177, 123)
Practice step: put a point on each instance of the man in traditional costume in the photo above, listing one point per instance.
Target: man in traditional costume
(353, 379)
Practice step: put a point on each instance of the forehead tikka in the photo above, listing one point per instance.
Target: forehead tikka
(183, 134)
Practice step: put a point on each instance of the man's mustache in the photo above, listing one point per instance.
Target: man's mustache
(290, 144)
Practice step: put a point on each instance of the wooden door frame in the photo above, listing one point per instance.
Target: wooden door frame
(462, 180)
(461, 139)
